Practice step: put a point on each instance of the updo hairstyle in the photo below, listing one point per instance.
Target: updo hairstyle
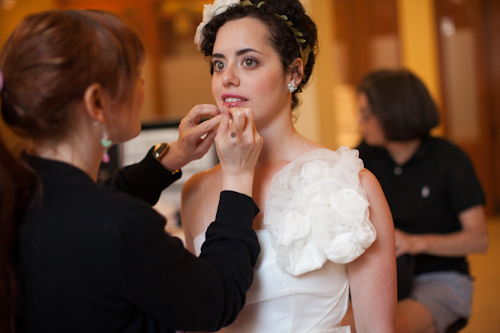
(52, 57)
(281, 37)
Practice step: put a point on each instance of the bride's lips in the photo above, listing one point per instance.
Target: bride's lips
(231, 100)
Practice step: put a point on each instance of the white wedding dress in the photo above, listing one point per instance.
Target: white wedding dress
(317, 221)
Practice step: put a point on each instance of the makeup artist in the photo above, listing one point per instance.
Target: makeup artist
(76, 256)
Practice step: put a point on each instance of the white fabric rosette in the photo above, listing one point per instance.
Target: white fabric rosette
(316, 210)
(209, 11)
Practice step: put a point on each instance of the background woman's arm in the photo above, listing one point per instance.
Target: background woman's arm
(473, 238)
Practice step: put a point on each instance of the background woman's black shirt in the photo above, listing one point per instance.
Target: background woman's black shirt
(427, 193)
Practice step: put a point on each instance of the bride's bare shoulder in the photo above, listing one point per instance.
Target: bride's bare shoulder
(306, 145)
(194, 184)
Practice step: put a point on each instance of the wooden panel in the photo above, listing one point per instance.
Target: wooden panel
(350, 32)
(464, 80)
(367, 34)
(491, 21)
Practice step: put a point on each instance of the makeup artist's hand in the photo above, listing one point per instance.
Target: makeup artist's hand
(238, 146)
(190, 145)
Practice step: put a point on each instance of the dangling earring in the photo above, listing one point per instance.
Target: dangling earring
(292, 87)
(106, 143)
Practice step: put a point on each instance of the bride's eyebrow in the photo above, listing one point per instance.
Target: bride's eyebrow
(238, 53)
(241, 52)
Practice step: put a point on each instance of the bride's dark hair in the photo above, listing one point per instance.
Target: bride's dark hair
(281, 37)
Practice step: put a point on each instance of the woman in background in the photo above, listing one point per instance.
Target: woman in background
(76, 256)
(324, 226)
(436, 200)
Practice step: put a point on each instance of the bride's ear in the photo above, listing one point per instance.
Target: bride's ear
(297, 71)
(96, 102)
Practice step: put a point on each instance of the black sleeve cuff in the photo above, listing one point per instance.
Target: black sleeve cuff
(153, 170)
(235, 207)
(145, 180)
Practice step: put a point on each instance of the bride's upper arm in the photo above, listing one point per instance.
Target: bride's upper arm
(372, 276)
(380, 214)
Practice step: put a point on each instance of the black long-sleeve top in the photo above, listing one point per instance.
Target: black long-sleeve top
(95, 259)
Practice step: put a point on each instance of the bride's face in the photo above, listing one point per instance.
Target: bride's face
(248, 72)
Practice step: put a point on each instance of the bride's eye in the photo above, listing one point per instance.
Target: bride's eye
(249, 62)
(218, 65)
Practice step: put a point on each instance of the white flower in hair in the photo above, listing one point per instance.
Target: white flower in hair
(209, 11)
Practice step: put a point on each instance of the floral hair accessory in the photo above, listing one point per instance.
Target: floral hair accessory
(304, 53)
(1, 81)
(209, 11)
(220, 6)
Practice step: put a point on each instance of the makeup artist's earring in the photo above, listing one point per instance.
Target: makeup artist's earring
(106, 143)
(1, 81)
(292, 87)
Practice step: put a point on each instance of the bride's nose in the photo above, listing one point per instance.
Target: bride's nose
(230, 77)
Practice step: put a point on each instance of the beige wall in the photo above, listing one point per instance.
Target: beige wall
(317, 119)
(419, 48)
(9, 18)
(418, 42)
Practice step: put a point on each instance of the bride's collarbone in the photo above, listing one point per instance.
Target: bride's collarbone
(262, 181)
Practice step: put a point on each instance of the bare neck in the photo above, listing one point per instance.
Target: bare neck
(76, 152)
(402, 151)
(282, 143)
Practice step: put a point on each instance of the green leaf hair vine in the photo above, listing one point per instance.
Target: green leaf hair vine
(304, 53)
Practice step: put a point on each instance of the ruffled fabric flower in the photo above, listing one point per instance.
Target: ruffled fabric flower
(316, 210)
(209, 11)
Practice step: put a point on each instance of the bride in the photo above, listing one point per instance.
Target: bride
(324, 226)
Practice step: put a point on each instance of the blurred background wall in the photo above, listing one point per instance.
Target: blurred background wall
(453, 45)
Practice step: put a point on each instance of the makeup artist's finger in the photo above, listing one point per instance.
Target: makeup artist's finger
(207, 126)
(224, 110)
(239, 120)
(251, 131)
(207, 142)
(249, 125)
(223, 129)
(199, 111)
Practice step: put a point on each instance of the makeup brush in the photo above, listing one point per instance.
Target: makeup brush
(233, 133)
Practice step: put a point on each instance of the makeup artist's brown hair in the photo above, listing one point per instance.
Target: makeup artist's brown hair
(16, 182)
(52, 57)
(48, 62)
